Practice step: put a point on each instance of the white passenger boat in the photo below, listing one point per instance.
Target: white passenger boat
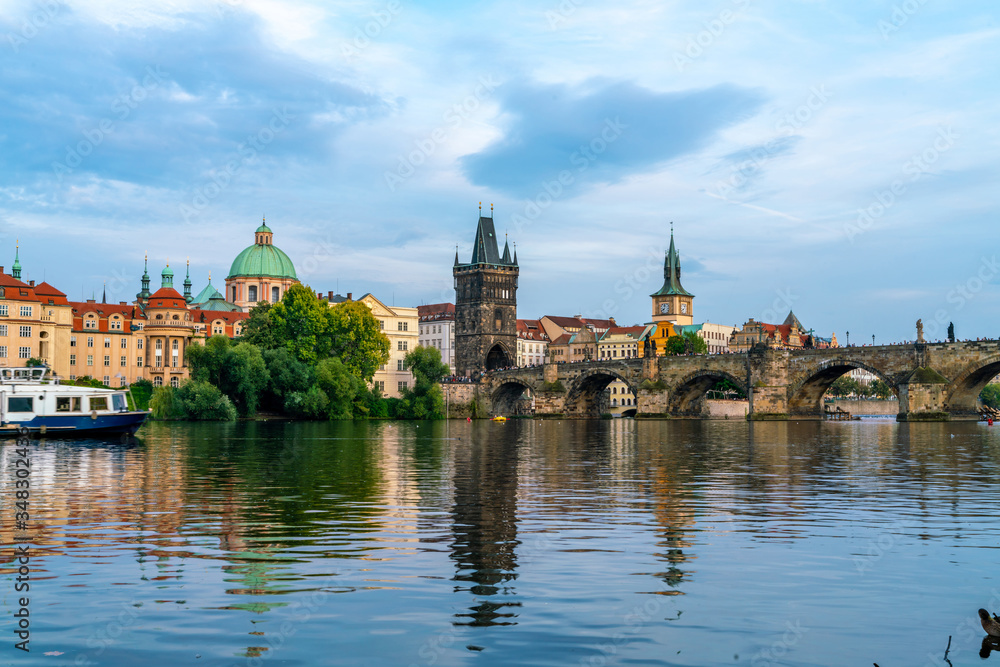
(32, 403)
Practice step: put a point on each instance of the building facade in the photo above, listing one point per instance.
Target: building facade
(485, 305)
(437, 330)
(402, 327)
(789, 335)
(532, 343)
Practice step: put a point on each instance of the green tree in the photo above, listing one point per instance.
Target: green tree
(259, 328)
(141, 391)
(694, 343)
(310, 404)
(674, 345)
(990, 396)
(203, 401)
(880, 389)
(300, 320)
(425, 400)
(845, 385)
(287, 375)
(339, 385)
(355, 337)
(208, 362)
(245, 378)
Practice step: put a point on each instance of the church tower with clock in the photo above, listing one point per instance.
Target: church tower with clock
(672, 303)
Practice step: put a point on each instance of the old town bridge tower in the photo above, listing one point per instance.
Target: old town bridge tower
(485, 304)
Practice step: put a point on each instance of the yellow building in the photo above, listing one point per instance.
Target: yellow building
(402, 327)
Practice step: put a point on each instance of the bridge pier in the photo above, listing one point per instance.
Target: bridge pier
(923, 395)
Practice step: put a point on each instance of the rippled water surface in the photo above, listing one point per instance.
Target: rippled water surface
(530, 542)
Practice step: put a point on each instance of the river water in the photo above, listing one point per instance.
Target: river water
(531, 542)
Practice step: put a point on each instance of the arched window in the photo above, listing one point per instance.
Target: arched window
(275, 294)
(234, 293)
(252, 293)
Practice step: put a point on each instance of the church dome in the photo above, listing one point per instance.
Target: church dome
(262, 259)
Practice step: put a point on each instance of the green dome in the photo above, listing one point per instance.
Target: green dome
(262, 260)
(264, 228)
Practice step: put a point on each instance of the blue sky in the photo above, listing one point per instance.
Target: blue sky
(838, 158)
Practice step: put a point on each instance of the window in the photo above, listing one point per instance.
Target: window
(123, 383)
(252, 293)
(107, 342)
(90, 323)
(72, 341)
(275, 294)
(138, 362)
(380, 385)
(115, 325)
(99, 402)
(3, 351)
(25, 331)
(68, 403)
(138, 344)
(90, 360)
(107, 359)
(174, 382)
(399, 364)
(20, 404)
(3, 309)
(403, 326)
(402, 345)
(72, 360)
(402, 385)
(25, 311)
(124, 343)
(90, 341)
(3, 329)
(158, 381)
(24, 352)
(122, 361)
(381, 323)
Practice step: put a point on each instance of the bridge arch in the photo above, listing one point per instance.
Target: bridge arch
(508, 392)
(685, 398)
(499, 356)
(963, 392)
(585, 397)
(805, 397)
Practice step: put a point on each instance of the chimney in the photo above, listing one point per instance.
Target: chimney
(123, 303)
(31, 283)
(349, 295)
(91, 300)
(1, 270)
(329, 295)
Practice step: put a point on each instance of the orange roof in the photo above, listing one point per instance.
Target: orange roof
(531, 329)
(105, 309)
(167, 297)
(47, 292)
(15, 290)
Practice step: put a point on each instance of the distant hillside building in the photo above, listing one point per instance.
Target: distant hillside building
(789, 335)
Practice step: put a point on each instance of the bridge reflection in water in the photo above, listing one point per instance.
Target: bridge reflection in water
(933, 381)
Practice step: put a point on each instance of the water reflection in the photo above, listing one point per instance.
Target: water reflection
(484, 524)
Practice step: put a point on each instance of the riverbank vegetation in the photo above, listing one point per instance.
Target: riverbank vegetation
(304, 359)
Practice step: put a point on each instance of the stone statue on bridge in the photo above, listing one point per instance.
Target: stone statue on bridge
(920, 331)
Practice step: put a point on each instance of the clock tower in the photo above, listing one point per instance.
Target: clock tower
(672, 303)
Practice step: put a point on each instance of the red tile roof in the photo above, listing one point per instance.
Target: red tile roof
(15, 290)
(531, 330)
(436, 311)
(167, 297)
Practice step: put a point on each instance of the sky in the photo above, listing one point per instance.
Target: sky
(834, 158)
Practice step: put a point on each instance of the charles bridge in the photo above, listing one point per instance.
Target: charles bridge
(933, 381)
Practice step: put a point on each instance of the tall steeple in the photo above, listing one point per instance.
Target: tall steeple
(187, 283)
(104, 294)
(506, 252)
(144, 294)
(672, 303)
(15, 271)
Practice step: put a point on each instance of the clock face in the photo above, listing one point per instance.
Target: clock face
(665, 308)
(684, 307)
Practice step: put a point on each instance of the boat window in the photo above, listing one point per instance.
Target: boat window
(20, 404)
(68, 403)
(98, 402)
(118, 401)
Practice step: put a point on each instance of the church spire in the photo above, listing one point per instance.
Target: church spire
(144, 293)
(506, 252)
(672, 272)
(104, 294)
(15, 271)
(187, 283)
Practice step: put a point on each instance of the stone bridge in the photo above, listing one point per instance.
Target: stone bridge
(934, 381)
